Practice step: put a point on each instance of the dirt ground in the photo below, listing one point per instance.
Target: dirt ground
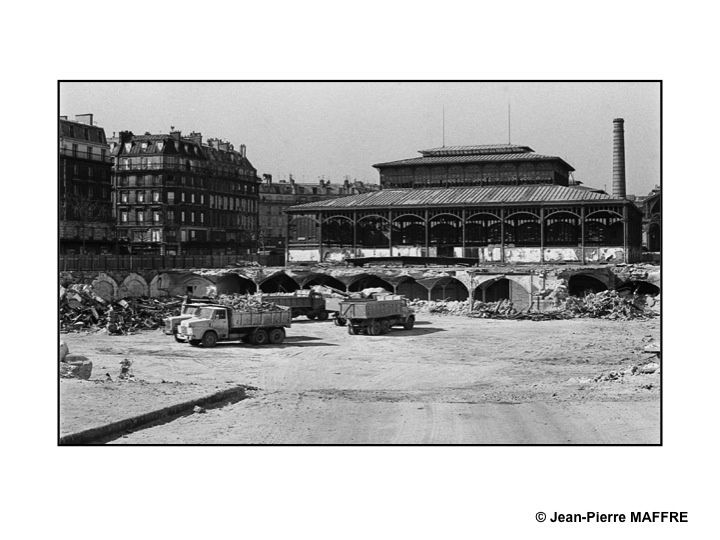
(449, 380)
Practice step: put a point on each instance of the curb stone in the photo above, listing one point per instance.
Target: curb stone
(93, 435)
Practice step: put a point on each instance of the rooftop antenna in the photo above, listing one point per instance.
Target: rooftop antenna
(443, 125)
(509, 141)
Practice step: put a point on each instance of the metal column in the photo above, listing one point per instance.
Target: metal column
(427, 233)
(502, 235)
(355, 226)
(390, 228)
(582, 234)
(542, 234)
(625, 233)
(320, 236)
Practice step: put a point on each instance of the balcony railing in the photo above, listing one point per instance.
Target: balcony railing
(81, 154)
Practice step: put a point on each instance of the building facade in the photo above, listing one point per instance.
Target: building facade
(494, 204)
(175, 195)
(276, 197)
(84, 187)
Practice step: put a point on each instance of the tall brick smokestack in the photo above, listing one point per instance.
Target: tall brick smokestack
(618, 184)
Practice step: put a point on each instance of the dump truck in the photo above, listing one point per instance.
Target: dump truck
(302, 302)
(212, 323)
(376, 316)
(189, 306)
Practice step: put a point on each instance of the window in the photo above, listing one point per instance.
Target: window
(182, 196)
(124, 196)
(156, 216)
(90, 172)
(192, 197)
(171, 197)
(192, 234)
(156, 196)
(140, 216)
(192, 217)
(140, 181)
(170, 216)
(182, 216)
(140, 196)
(202, 217)
(202, 199)
(183, 236)
(123, 217)
(89, 152)
(155, 235)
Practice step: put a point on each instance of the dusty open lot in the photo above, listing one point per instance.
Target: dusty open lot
(449, 380)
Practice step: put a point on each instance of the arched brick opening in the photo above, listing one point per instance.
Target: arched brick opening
(369, 281)
(493, 291)
(639, 287)
(133, 286)
(325, 280)
(449, 288)
(279, 282)
(411, 289)
(235, 284)
(581, 284)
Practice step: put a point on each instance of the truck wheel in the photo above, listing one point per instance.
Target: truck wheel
(276, 335)
(260, 337)
(209, 339)
(385, 327)
(312, 316)
(408, 325)
(322, 316)
(373, 329)
(339, 321)
(352, 330)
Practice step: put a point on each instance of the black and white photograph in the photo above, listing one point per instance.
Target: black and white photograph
(378, 270)
(367, 263)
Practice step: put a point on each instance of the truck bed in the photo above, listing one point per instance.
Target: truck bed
(279, 317)
(370, 308)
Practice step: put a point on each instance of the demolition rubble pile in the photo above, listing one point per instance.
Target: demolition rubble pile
(602, 305)
(248, 303)
(82, 309)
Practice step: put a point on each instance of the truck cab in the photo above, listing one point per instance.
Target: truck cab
(204, 318)
(186, 312)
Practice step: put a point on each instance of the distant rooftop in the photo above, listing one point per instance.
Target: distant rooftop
(476, 150)
(481, 153)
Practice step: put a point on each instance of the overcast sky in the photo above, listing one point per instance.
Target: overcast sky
(338, 129)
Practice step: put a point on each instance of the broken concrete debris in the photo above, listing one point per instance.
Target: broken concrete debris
(75, 366)
(81, 309)
(602, 305)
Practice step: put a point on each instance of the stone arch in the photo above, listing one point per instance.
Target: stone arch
(367, 281)
(279, 282)
(581, 284)
(410, 288)
(447, 288)
(234, 283)
(133, 286)
(105, 287)
(493, 290)
(323, 279)
(195, 285)
(639, 287)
